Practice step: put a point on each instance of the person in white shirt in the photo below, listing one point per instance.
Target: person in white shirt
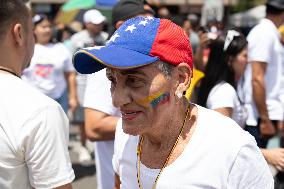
(263, 76)
(226, 64)
(222, 87)
(92, 35)
(33, 127)
(149, 63)
(101, 118)
(51, 70)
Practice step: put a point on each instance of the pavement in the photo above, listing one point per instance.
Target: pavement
(85, 175)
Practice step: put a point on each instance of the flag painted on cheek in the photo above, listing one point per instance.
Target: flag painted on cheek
(155, 99)
(161, 100)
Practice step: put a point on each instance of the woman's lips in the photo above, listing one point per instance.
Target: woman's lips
(129, 115)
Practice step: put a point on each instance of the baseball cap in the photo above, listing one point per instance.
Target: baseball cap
(279, 4)
(138, 41)
(126, 9)
(93, 16)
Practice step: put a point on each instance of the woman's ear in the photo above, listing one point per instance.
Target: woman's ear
(184, 73)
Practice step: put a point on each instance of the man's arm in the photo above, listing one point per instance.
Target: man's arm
(99, 125)
(67, 186)
(117, 182)
(274, 157)
(226, 111)
(72, 90)
(259, 96)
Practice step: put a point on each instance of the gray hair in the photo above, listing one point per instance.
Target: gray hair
(166, 68)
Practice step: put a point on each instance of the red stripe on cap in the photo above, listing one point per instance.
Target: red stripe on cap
(171, 44)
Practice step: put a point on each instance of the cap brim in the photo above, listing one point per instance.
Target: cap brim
(90, 60)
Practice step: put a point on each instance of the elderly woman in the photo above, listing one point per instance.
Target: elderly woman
(162, 140)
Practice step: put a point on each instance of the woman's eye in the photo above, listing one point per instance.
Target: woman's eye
(112, 80)
(135, 82)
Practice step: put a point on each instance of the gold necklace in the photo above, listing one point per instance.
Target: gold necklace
(139, 151)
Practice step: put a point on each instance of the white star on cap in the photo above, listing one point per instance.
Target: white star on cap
(149, 18)
(131, 28)
(113, 38)
(144, 22)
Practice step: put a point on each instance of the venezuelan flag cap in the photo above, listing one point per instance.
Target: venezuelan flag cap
(138, 42)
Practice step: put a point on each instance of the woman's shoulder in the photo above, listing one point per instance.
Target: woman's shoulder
(221, 95)
(217, 126)
(223, 87)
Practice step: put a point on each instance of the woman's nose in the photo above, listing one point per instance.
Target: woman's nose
(120, 96)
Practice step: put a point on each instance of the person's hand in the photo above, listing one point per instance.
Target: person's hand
(267, 130)
(204, 40)
(275, 157)
(73, 104)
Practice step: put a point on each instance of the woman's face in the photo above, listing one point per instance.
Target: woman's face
(143, 95)
(43, 32)
(239, 63)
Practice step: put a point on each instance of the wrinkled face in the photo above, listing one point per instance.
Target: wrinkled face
(144, 96)
(240, 62)
(43, 32)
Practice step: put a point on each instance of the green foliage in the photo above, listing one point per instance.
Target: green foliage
(243, 5)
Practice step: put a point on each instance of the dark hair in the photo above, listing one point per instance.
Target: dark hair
(12, 11)
(58, 33)
(270, 9)
(38, 18)
(217, 68)
(126, 9)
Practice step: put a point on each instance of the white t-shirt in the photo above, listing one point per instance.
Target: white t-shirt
(223, 95)
(264, 46)
(282, 82)
(46, 71)
(34, 135)
(81, 40)
(219, 155)
(98, 97)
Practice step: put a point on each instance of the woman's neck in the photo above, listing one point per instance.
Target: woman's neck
(167, 131)
(169, 143)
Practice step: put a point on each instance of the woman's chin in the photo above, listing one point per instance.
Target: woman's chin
(130, 129)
